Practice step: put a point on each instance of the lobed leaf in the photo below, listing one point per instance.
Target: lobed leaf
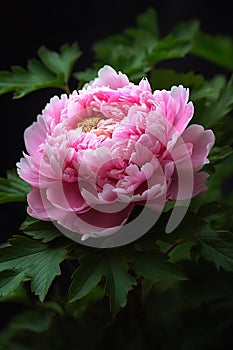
(33, 321)
(218, 154)
(216, 247)
(155, 266)
(38, 229)
(214, 48)
(10, 280)
(60, 63)
(118, 282)
(52, 70)
(39, 261)
(176, 44)
(166, 78)
(221, 106)
(86, 277)
(13, 188)
(126, 51)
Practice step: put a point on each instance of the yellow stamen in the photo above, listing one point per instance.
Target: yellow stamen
(89, 123)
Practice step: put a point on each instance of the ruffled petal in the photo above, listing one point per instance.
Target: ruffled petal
(66, 196)
(107, 76)
(202, 141)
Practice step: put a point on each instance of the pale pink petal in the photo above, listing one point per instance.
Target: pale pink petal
(35, 135)
(66, 196)
(107, 76)
(92, 197)
(144, 85)
(27, 172)
(36, 171)
(40, 208)
(175, 108)
(95, 220)
(182, 190)
(95, 223)
(96, 153)
(53, 111)
(202, 141)
(199, 183)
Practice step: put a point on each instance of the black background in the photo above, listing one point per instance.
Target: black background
(25, 26)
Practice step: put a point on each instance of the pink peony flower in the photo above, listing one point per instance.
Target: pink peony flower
(95, 154)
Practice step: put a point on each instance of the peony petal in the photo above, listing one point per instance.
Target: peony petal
(202, 140)
(35, 135)
(182, 190)
(96, 223)
(174, 107)
(27, 172)
(66, 196)
(96, 153)
(107, 76)
(39, 206)
(199, 183)
(96, 220)
(37, 172)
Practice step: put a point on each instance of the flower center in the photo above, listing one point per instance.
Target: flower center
(89, 123)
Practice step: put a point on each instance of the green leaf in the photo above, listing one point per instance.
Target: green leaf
(155, 267)
(93, 268)
(128, 51)
(148, 21)
(222, 106)
(214, 48)
(214, 211)
(60, 63)
(37, 229)
(218, 154)
(118, 281)
(176, 44)
(28, 321)
(52, 70)
(33, 321)
(166, 78)
(182, 251)
(183, 231)
(13, 188)
(223, 172)
(40, 261)
(86, 75)
(23, 81)
(216, 247)
(10, 280)
(210, 90)
(86, 277)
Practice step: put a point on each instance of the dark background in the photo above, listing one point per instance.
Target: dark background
(25, 26)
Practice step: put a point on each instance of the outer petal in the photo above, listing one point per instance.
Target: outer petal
(35, 171)
(198, 187)
(35, 135)
(174, 107)
(95, 223)
(102, 223)
(202, 140)
(40, 207)
(66, 196)
(199, 183)
(27, 172)
(107, 76)
(53, 111)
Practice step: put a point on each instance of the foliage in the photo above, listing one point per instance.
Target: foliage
(130, 296)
